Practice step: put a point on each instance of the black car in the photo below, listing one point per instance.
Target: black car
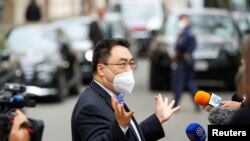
(217, 56)
(49, 64)
(10, 71)
(242, 24)
(77, 29)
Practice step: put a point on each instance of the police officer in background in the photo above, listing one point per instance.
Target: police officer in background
(183, 63)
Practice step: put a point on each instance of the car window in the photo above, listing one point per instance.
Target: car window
(33, 39)
(205, 25)
(76, 31)
(140, 11)
(243, 24)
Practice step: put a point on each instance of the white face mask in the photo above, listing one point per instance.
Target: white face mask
(181, 25)
(123, 82)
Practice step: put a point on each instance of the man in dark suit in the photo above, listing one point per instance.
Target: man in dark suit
(98, 116)
(99, 28)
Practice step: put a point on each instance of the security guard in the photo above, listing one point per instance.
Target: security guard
(183, 62)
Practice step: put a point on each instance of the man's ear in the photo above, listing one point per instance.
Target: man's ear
(100, 69)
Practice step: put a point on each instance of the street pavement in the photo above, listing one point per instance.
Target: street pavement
(56, 116)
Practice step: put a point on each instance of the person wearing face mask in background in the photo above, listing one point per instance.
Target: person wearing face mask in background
(182, 66)
(98, 115)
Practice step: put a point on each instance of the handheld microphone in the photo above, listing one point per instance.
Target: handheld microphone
(220, 115)
(196, 132)
(208, 101)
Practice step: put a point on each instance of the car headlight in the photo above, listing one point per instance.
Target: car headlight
(89, 55)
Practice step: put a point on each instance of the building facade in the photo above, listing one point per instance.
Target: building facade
(13, 11)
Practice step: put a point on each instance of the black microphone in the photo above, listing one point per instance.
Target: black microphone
(220, 115)
(196, 132)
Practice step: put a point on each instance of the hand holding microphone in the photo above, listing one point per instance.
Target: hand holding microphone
(208, 101)
(231, 104)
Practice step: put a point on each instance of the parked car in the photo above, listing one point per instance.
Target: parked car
(242, 24)
(49, 64)
(77, 30)
(142, 17)
(10, 70)
(217, 54)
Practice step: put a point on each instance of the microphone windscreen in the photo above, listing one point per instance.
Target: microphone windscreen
(202, 98)
(196, 132)
(220, 115)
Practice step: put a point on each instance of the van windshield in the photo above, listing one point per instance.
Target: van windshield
(203, 25)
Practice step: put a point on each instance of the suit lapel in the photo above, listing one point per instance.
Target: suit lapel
(101, 92)
(136, 124)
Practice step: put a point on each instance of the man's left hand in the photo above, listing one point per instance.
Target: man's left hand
(163, 110)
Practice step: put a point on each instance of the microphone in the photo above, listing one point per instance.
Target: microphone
(196, 132)
(220, 115)
(207, 100)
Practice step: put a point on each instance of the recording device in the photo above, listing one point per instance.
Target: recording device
(207, 100)
(12, 97)
(220, 115)
(196, 132)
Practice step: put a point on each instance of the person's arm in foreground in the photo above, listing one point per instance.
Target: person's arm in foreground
(231, 104)
(17, 133)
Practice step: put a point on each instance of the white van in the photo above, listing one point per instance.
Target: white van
(142, 17)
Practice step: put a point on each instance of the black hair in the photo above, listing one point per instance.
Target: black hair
(103, 48)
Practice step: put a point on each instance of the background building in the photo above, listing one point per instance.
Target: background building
(13, 11)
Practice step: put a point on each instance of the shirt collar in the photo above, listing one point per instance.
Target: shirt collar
(106, 89)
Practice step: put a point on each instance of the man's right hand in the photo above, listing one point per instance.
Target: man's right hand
(123, 118)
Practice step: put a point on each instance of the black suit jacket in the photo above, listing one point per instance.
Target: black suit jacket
(242, 115)
(93, 119)
(95, 33)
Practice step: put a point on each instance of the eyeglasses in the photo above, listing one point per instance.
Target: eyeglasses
(132, 65)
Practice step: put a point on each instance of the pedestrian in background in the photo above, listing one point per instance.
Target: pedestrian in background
(33, 12)
(183, 63)
(101, 113)
(99, 28)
